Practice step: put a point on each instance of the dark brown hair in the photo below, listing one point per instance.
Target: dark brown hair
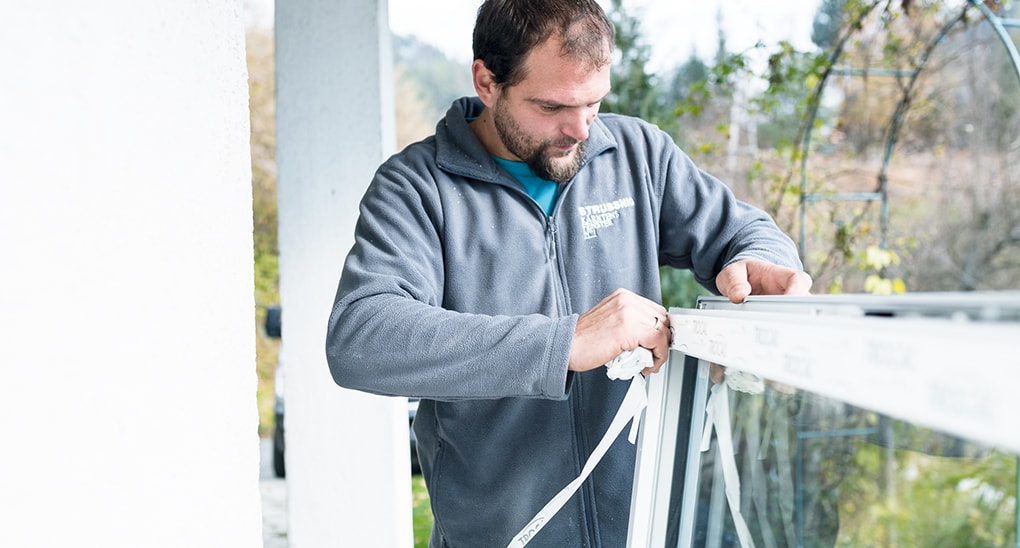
(507, 30)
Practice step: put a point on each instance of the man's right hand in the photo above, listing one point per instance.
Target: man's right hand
(622, 321)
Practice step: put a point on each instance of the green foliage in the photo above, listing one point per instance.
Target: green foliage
(679, 288)
(791, 77)
(705, 85)
(267, 276)
(635, 91)
(262, 97)
(421, 512)
(875, 261)
(689, 81)
(823, 473)
(928, 490)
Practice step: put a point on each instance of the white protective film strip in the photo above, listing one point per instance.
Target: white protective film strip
(627, 366)
(718, 416)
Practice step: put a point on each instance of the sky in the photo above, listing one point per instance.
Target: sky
(671, 27)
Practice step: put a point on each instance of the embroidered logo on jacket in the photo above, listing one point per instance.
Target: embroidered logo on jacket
(604, 215)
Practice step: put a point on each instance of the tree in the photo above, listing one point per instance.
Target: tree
(691, 73)
(427, 82)
(829, 22)
(635, 91)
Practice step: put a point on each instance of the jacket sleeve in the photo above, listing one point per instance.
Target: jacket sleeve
(388, 332)
(704, 227)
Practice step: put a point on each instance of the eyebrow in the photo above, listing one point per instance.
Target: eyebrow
(554, 104)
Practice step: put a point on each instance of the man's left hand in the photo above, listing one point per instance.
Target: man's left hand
(754, 277)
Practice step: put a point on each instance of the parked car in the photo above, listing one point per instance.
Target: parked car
(273, 328)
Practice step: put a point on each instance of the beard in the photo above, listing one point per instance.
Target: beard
(544, 161)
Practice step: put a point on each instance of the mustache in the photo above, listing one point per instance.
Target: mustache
(563, 143)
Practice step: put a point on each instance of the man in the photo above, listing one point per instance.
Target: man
(500, 263)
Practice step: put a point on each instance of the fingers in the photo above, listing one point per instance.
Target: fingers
(733, 282)
(660, 354)
(799, 284)
(620, 322)
(753, 277)
(663, 339)
(717, 373)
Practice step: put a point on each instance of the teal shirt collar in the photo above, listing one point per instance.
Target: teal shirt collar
(541, 190)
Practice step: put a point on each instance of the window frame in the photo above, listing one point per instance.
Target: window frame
(907, 350)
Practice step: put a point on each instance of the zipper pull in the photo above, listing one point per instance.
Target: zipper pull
(550, 239)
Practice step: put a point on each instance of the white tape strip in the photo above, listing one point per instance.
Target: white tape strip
(718, 416)
(630, 410)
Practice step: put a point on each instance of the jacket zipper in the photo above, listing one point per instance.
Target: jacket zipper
(586, 491)
(550, 241)
(552, 253)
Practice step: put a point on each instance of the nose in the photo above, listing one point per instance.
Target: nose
(580, 121)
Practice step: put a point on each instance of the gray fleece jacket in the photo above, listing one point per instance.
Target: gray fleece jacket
(461, 291)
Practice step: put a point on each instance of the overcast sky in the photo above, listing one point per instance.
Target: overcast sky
(671, 27)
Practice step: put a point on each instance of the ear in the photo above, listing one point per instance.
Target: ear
(485, 86)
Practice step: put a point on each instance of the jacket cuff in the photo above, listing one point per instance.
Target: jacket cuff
(558, 358)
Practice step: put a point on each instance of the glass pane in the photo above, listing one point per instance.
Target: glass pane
(818, 472)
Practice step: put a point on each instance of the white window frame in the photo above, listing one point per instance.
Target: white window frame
(947, 361)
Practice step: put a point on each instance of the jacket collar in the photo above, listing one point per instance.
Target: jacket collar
(458, 151)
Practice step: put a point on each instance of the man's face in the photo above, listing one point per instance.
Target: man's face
(544, 119)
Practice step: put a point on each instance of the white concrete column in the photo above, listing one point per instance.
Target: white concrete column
(348, 465)
(127, 361)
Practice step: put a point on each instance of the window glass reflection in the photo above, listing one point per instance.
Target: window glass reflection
(817, 472)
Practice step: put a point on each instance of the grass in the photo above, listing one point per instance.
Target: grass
(266, 351)
(422, 512)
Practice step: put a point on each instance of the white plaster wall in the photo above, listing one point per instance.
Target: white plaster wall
(348, 477)
(126, 283)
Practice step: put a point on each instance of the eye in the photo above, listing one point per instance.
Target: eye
(549, 108)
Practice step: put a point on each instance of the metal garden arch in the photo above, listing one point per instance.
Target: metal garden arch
(807, 198)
